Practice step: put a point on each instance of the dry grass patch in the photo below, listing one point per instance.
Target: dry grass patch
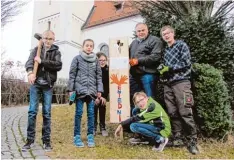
(109, 147)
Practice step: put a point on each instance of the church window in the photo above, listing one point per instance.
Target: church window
(104, 48)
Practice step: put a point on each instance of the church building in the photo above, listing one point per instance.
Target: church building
(75, 21)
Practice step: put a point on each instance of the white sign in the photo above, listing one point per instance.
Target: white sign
(119, 63)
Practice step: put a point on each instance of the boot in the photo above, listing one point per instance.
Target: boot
(47, 146)
(192, 146)
(178, 140)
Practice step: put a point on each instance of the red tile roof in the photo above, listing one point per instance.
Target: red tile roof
(105, 11)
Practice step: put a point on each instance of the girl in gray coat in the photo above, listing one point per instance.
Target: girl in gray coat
(85, 78)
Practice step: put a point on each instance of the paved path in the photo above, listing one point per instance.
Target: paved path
(13, 127)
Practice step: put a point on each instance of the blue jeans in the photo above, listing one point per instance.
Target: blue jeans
(147, 130)
(78, 115)
(35, 92)
(146, 83)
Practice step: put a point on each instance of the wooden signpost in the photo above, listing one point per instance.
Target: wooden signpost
(119, 79)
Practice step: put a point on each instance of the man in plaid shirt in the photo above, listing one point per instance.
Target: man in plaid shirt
(177, 91)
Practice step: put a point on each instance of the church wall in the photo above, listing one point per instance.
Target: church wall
(68, 53)
(102, 33)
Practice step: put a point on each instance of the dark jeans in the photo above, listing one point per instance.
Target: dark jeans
(78, 115)
(147, 130)
(146, 83)
(102, 116)
(35, 92)
(180, 110)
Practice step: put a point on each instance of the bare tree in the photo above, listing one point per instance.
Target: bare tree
(10, 9)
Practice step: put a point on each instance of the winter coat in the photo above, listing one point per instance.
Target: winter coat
(105, 81)
(85, 76)
(50, 64)
(148, 52)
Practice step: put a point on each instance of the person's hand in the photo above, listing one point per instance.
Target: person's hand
(99, 94)
(70, 93)
(37, 59)
(31, 78)
(162, 69)
(103, 101)
(72, 97)
(118, 131)
(133, 62)
(97, 101)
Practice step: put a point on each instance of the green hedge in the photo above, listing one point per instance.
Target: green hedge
(209, 37)
(213, 110)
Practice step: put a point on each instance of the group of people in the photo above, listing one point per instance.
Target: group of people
(89, 79)
(175, 71)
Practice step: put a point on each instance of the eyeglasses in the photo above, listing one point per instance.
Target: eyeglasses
(48, 39)
(137, 102)
(102, 60)
(167, 33)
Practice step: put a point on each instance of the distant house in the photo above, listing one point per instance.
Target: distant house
(74, 21)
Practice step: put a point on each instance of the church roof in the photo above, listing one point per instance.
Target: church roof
(109, 11)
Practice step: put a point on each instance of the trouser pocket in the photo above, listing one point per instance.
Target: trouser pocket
(188, 98)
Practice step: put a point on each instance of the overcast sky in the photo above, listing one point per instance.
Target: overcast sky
(16, 36)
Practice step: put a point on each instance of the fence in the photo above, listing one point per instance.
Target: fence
(16, 92)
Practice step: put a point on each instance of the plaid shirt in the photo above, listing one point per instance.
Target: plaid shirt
(177, 57)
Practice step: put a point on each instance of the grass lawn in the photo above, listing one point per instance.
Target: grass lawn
(109, 147)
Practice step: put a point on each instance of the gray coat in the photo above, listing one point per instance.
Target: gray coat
(85, 76)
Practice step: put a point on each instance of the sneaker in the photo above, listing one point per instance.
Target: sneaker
(104, 133)
(78, 142)
(192, 147)
(160, 146)
(90, 139)
(138, 141)
(47, 146)
(28, 145)
(156, 145)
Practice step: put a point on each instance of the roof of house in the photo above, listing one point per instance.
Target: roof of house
(109, 11)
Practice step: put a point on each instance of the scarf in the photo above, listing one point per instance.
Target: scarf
(90, 58)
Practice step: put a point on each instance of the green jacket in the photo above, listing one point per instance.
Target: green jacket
(157, 117)
(153, 114)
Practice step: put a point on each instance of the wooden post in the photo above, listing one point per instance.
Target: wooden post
(119, 79)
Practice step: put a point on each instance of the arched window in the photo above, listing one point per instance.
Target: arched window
(103, 47)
